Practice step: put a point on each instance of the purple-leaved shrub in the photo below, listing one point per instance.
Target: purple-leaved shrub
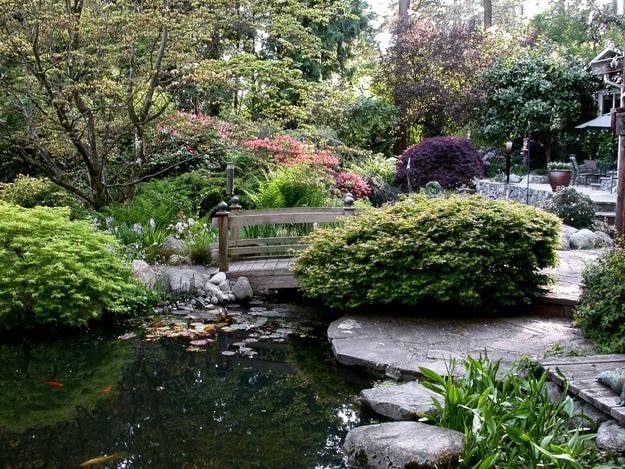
(450, 161)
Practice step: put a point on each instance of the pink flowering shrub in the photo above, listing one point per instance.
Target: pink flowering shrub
(353, 183)
(285, 150)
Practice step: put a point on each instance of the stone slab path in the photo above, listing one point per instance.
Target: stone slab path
(568, 275)
(387, 345)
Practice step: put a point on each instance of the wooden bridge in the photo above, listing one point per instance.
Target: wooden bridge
(260, 244)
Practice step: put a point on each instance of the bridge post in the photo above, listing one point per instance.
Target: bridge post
(222, 226)
(348, 204)
(234, 233)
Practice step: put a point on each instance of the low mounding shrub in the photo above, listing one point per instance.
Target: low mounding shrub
(56, 272)
(462, 251)
(573, 208)
(32, 192)
(449, 161)
(601, 311)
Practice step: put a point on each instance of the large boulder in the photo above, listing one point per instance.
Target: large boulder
(242, 290)
(611, 437)
(565, 237)
(583, 239)
(218, 278)
(401, 402)
(403, 444)
(603, 240)
(144, 273)
(182, 280)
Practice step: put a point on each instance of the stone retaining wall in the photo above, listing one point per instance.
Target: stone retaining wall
(499, 190)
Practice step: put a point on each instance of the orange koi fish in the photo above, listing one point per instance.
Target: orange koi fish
(108, 389)
(54, 384)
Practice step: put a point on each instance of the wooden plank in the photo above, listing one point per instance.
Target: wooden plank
(283, 218)
(583, 360)
(266, 241)
(280, 211)
(260, 250)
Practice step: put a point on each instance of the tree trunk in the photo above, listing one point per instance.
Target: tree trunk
(488, 13)
(620, 191)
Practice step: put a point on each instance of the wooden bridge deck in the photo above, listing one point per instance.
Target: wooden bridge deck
(581, 372)
(265, 274)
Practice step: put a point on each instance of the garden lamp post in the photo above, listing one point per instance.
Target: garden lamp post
(508, 155)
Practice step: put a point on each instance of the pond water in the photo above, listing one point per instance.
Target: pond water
(156, 404)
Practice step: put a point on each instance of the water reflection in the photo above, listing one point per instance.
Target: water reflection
(157, 405)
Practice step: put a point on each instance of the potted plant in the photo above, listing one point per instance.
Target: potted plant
(559, 174)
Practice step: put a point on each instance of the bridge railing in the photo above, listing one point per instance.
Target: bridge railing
(232, 222)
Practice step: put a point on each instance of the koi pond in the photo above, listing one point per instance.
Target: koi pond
(96, 400)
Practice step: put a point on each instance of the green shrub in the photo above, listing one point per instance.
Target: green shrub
(573, 208)
(56, 272)
(32, 192)
(462, 251)
(507, 417)
(601, 310)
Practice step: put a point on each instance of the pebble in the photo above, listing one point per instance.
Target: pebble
(228, 353)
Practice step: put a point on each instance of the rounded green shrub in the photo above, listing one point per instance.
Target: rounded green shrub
(32, 192)
(601, 310)
(56, 272)
(573, 207)
(469, 252)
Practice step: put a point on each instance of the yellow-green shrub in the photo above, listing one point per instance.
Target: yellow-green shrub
(463, 251)
(57, 272)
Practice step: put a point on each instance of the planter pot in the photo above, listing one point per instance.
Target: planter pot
(559, 179)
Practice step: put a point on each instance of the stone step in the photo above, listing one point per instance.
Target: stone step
(604, 206)
(407, 401)
(595, 186)
(609, 217)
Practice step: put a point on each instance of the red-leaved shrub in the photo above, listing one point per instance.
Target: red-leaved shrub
(287, 151)
(450, 161)
(353, 183)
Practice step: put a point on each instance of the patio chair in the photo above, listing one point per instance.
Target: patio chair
(591, 165)
(580, 172)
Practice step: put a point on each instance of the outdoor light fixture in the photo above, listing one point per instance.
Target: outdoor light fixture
(230, 178)
(508, 154)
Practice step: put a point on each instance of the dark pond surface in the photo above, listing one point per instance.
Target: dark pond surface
(155, 404)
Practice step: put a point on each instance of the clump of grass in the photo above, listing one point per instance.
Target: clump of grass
(507, 417)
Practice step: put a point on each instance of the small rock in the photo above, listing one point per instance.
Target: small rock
(228, 353)
(218, 278)
(401, 402)
(214, 300)
(144, 273)
(403, 444)
(225, 287)
(231, 298)
(177, 259)
(611, 437)
(242, 290)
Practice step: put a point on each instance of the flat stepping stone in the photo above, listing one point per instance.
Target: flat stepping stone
(403, 444)
(401, 402)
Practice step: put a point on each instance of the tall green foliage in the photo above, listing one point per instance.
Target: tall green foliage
(507, 417)
(59, 273)
(466, 251)
(541, 89)
(601, 311)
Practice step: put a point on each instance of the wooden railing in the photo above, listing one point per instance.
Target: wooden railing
(232, 221)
